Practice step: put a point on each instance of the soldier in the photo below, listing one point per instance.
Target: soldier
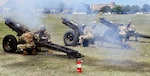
(130, 27)
(87, 34)
(96, 31)
(44, 37)
(122, 33)
(131, 30)
(28, 44)
(94, 28)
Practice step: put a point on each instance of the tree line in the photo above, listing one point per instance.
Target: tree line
(126, 9)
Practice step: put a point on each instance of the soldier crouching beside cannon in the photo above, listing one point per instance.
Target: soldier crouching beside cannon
(87, 35)
(27, 44)
(44, 37)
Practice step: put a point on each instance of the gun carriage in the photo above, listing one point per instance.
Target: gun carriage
(112, 31)
(10, 42)
(71, 37)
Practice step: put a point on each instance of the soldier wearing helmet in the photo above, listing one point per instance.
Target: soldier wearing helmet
(43, 34)
(130, 30)
(122, 31)
(27, 45)
(130, 27)
(96, 31)
(87, 34)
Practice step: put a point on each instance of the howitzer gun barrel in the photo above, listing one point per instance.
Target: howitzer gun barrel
(73, 25)
(17, 27)
(109, 24)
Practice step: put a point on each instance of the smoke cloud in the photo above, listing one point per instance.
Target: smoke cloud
(30, 12)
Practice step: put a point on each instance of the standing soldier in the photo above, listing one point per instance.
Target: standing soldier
(28, 45)
(122, 33)
(130, 27)
(131, 30)
(95, 29)
(96, 32)
(87, 34)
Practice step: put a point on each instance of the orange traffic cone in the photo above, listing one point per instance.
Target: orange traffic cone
(79, 70)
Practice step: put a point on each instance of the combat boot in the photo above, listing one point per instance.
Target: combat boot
(50, 52)
(25, 52)
(38, 49)
(34, 52)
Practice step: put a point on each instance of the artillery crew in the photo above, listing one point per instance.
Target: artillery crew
(88, 34)
(27, 45)
(44, 36)
(130, 27)
(131, 30)
(95, 29)
(122, 33)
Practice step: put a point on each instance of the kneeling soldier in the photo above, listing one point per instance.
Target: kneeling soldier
(28, 45)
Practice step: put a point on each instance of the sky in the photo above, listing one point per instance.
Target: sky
(118, 2)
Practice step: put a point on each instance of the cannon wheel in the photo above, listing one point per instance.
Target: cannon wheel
(10, 43)
(70, 38)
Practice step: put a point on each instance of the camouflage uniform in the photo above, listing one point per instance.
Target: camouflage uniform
(28, 43)
(96, 32)
(44, 37)
(88, 34)
(43, 34)
(122, 33)
(131, 30)
(95, 29)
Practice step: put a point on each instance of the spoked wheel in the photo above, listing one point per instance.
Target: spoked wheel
(70, 38)
(10, 43)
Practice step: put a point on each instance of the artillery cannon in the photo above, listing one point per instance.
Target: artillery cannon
(71, 37)
(10, 42)
(111, 33)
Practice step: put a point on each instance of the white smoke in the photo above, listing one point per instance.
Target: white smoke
(30, 11)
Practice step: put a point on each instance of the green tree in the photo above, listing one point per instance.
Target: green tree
(135, 9)
(146, 8)
(126, 9)
(117, 10)
(105, 9)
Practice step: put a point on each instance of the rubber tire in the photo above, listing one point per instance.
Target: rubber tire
(10, 43)
(71, 38)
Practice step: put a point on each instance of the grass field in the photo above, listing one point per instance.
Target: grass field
(109, 60)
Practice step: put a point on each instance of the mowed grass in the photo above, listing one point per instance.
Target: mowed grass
(109, 60)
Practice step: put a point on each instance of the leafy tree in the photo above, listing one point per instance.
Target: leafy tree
(105, 9)
(146, 8)
(135, 9)
(117, 10)
(126, 9)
